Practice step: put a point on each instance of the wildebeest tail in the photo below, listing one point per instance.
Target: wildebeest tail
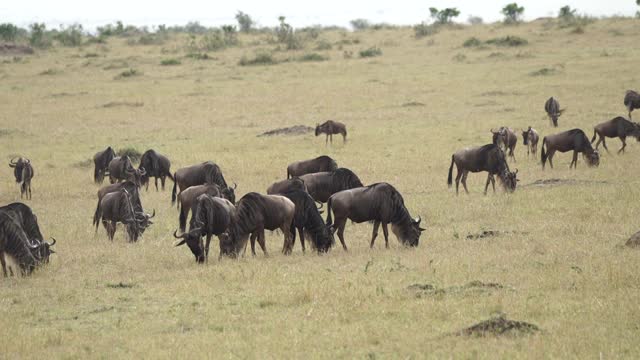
(175, 189)
(450, 177)
(97, 215)
(543, 156)
(183, 220)
(329, 220)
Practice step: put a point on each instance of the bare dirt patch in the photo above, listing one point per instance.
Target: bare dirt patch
(558, 182)
(499, 326)
(292, 130)
(14, 49)
(491, 233)
(477, 287)
(122, 103)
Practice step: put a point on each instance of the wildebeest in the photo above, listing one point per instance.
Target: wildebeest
(120, 168)
(131, 189)
(617, 127)
(307, 220)
(489, 158)
(24, 216)
(552, 107)
(155, 165)
(506, 139)
(200, 174)
(574, 139)
(380, 203)
(23, 172)
(319, 164)
(101, 161)
(530, 138)
(209, 216)
(117, 207)
(254, 214)
(188, 197)
(631, 101)
(283, 186)
(331, 127)
(324, 184)
(15, 243)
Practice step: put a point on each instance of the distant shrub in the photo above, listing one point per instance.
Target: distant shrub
(131, 152)
(170, 62)
(323, 45)
(50, 72)
(370, 52)
(421, 30)
(38, 37)
(543, 72)
(261, 58)
(128, 73)
(313, 57)
(96, 39)
(472, 42)
(70, 36)
(566, 12)
(287, 36)
(149, 39)
(475, 20)
(198, 56)
(360, 24)
(8, 32)
(111, 30)
(512, 13)
(509, 40)
(194, 27)
(91, 55)
(444, 16)
(244, 21)
(312, 32)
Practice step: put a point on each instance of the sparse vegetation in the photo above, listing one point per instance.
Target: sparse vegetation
(323, 45)
(170, 62)
(360, 24)
(472, 42)
(261, 58)
(313, 57)
(286, 35)
(475, 20)
(512, 13)
(131, 152)
(70, 36)
(370, 52)
(38, 37)
(509, 40)
(245, 22)
(421, 30)
(444, 16)
(198, 56)
(8, 32)
(128, 73)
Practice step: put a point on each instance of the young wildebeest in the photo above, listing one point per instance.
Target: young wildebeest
(254, 214)
(319, 164)
(489, 158)
(120, 168)
(189, 196)
(307, 220)
(23, 172)
(530, 138)
(616, 127)
(575, 140)
(200, 174)
(380, 203)
(15, 243)
(324, 184)
(131, 188)
(24, 216)
(331, 127)
(506, 139)
(631, 101)
(101, 161)
(552, 107)
(117, 207)
(283, 186)
(209, 216)
(156, 165)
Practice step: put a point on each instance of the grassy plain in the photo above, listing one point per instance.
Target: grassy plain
(560, 264)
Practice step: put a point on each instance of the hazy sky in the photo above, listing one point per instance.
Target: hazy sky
(298, 13)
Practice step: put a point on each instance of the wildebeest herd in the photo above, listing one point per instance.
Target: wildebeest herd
(292, 205)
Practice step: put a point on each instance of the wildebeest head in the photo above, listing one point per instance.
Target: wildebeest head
(193, 239)
(593, 158)
(135, 175)
(228, 246)
(509, 180)
(409, 235)
(18, 166)
(144, 220)
(42, 250)
(499, 137)
(525, 136)
(318, 129)
(229, 193)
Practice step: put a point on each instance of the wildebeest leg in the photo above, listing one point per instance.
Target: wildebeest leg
(331, 138)
(604, 144)
(162, 179)
(4, 263)
(458, 176)
(301, 232)
(493, 183)
(156, 183)
(550, 157)
(340, 226)
(206, 248)
(574, 161)
(385, 231)
(624, 144)
(486, 186)
(29, 185)
(253, 243)
(261, 241)
(326, 139)
(374, 235)
(511, 154)
(464, 181)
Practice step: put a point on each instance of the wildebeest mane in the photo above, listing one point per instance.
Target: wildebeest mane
(16, 243)
(248, 209)
(332, 163)
(204, 212)
(26, 218)
(341, 179)
(308, 217)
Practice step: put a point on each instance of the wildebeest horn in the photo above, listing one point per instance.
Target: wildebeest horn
(54, 241)
(417, 220)
(515, 173)
(182, 236)
(32, 245)
(142, 171)
(151, 216)
(12, 163)
(321, 205)
(235, 186)
(28, 161)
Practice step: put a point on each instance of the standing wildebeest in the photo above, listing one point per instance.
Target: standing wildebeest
(118, 207)
(616, 127)
(331, 127)
(552, 107)
(15, 243)
(120, 168)
(575, 140)
(324, 184)
(209, 216)
(131, 188)
(506, 139)
(530, 139)
(101, 161)
(24, 216)
(189, 196)
(254, 214)
(23, 172)
(204, 173)
(380, 203)
(489, 158)
(307, 219)
(156, 165)
(283, 186)
(631, 101)
(319, 164)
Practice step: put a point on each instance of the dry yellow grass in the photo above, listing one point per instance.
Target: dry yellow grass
(561, 265)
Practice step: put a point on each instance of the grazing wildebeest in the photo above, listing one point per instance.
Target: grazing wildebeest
(23, 172)
(319, 164)
(209, 216)
(189, 196)
(101, 161)
(307, 219)
(631, 101)
(15, 243)
(575, 140)
(506, 139)
(200, 174)
(132, 190)
(489, 158)
(331, 127)
(530, 138)
(120, 168)
(24, 216)
(155, 165)
(552, 107)
(617, 127)
(117, 207)
(254, 214)
(283, 186)
(324, 184)
(380, 203)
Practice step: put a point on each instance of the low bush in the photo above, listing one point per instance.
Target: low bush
(131, 152)
(170, 62)
(472, 42)
(370, 52)
(509, 40)
(262, 58)
(313, 57)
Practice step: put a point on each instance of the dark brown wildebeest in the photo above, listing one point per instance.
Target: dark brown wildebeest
(283, 186)
(23, 172)
(617, 127)
(575, 140)
(209, 216)
(24, 216)
(552, 107)
(331, 127)
(131, 188)
(200, 174)
(324, 184)
(189, 196)
(530, 138)
(101, 161)
(155, 165)
(506, 139)
(117, 207)
(489, 158)
(120, 168)
(15, 243)
(254, 214)
(307, 220)
(319, 164)
(631, 101)
(380, 203)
